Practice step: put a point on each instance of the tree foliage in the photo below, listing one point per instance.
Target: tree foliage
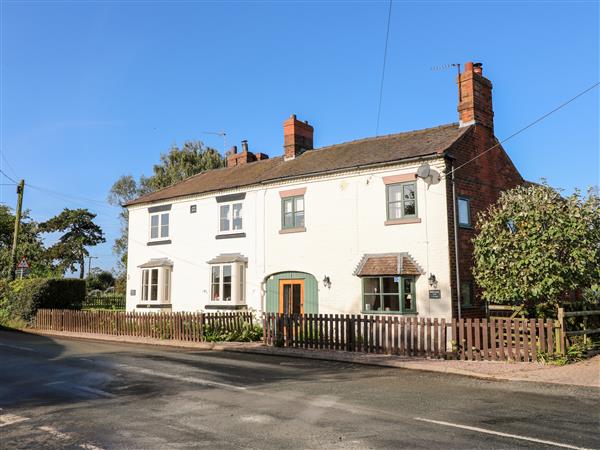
(29, 245)
(175, 165)
(99, 279)
(534, 245)
(78, 232)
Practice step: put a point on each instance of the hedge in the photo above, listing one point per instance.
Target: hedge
(25, 297)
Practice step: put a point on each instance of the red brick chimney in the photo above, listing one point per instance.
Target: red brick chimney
(237, 159)
(297, 137)
(475, 105)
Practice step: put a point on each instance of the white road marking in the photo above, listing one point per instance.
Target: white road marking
(169, 376)
(17, 347)
(498, 433)
(87, 446)
(54, 432)
(9, 419)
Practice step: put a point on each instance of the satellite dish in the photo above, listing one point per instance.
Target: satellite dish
(423, 171)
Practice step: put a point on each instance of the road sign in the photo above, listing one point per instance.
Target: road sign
(23, 264)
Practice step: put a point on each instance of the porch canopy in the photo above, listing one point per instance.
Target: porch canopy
(377, 264)
(157, 262)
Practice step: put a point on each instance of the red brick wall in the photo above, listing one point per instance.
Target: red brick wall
(481, 181)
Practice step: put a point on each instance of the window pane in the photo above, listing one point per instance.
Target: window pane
(164, 229)
(371, 285)
(409, 296)
(145, 284)
(389, 285)
(394, 193)
(226, 291)
(465, 293)
(463, 211)
(409, 208)
(395, 211)
(154, 226)
(154, 277)
(299, 203)
(391, 302)
(237, 216)
(299, 219)
(227, 274)
(409, 191)
(286, 298)
(224, 218)
(167, 285)
(372, 302)
(242, 286)
(288, 220)
(287, 206)
(215, 294)
(154, 292)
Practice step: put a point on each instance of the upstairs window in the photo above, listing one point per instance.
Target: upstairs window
(464, 212)
(230, 217)
(292, 212)
(159, 226)
(401, 200)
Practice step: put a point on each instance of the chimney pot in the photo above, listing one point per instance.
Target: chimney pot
(478, 68)
(468, 67)
(244, 145)
(233, 150)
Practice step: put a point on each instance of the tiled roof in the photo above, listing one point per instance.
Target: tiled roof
(387, 264)
(350, 155)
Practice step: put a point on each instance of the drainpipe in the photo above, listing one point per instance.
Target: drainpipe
(455, 241)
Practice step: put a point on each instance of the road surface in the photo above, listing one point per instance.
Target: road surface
(61, 393)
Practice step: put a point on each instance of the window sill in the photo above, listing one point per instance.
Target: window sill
(292, 230)
(402, 221)
(465, 227)
(154, 305)
(226, 307)
(230, 235)
(159, 242)
(389, 313)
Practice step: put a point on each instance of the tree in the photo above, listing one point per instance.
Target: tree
(176, 165)
(100, 279)
(30, 244)
(79, 231)
(535, 245)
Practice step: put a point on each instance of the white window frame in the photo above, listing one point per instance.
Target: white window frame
(230, 217)
(237, 283)
(163, 285)
(161, 219)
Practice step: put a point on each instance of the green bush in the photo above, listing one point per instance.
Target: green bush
(247, 333)
(25, 297)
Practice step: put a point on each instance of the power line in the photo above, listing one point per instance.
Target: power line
(5, 174)
(73, 197)
(535, 122)
(10, 167)
(387, 37)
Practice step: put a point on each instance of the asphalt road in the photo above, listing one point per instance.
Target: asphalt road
(62, 393)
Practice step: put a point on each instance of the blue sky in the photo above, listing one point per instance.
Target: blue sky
(94, 90)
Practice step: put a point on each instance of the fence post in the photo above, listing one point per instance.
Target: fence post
(561, 335)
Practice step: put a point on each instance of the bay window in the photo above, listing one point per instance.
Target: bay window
(393, 294)
(156, 285)
(227, 282)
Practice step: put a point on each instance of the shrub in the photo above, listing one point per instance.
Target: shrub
(26, 296)
(247, 333)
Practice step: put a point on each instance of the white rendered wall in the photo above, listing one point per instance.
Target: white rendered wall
(344, 217)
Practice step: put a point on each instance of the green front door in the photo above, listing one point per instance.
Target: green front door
(279, 282)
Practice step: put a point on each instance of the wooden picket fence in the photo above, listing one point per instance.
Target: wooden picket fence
(467, 339)
(180, 326)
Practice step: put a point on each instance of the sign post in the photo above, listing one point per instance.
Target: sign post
(23, 267)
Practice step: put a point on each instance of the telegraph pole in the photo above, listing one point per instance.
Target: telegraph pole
(90, 264)
(13, 254)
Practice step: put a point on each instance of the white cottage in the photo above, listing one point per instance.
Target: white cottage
(370, 226)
